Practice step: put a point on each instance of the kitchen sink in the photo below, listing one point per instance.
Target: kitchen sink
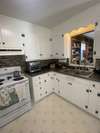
(77, 72)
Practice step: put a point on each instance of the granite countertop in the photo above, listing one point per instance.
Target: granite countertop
(93, 77)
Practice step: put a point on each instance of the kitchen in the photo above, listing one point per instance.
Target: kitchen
(49, 66)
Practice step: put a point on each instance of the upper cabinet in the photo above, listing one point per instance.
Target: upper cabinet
(58, 46)
(34, 41)
(9, 36)
(43, 40)
(97, 44)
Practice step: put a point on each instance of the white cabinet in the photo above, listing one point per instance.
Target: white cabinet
(43, 36)
(41, 86)
(58, 46)
(80, 95)
(68, 88)
(0, 41)
(94, 99)
(9, 36)
(97, 44)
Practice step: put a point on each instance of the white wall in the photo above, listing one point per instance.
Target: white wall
(90, 15)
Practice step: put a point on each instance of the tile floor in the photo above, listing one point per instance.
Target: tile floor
(54, 115)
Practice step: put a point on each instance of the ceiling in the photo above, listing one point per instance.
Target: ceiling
(47, 13)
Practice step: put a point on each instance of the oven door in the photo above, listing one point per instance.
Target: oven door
(13, 97)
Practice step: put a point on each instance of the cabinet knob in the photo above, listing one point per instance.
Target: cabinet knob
(86, 106)
(96, 111)
(53, 89)
(87, 91)
(3, 43)
(46, 92)
(22, 35)
(41, 54)
(40, 94)
(40, 88)
(56, 53)
(39, 82)
(45, 81)
(94, 52)
(98, 94)
(62, 54)
(93, 85)
(90, 91)
(58, 91)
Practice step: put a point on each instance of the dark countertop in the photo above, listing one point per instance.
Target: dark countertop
(93, 77)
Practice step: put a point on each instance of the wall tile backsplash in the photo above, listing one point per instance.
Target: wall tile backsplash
(13, 60)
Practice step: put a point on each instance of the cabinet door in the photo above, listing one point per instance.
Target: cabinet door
(97, 44)
(80, 93)
(59, 82)
(58, 46)
(36, 89)
(0, 40)
(68, 88)
(29, 46)
(94, 99)
(9, 37)
(43, 40)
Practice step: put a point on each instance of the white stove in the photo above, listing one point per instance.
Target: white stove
(14, 94)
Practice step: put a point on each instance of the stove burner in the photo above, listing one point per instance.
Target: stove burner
(1, 83)
(18, 78)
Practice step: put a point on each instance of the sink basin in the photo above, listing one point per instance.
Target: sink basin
(81, 73)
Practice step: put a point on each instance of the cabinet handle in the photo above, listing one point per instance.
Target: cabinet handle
(98, 94)
(69, 83)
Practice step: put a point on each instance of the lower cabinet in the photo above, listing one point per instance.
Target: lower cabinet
(94, 99)
(80, 96)
(81, 92)
(41, 86)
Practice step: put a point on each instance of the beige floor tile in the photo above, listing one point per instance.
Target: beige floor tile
(54, 115)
